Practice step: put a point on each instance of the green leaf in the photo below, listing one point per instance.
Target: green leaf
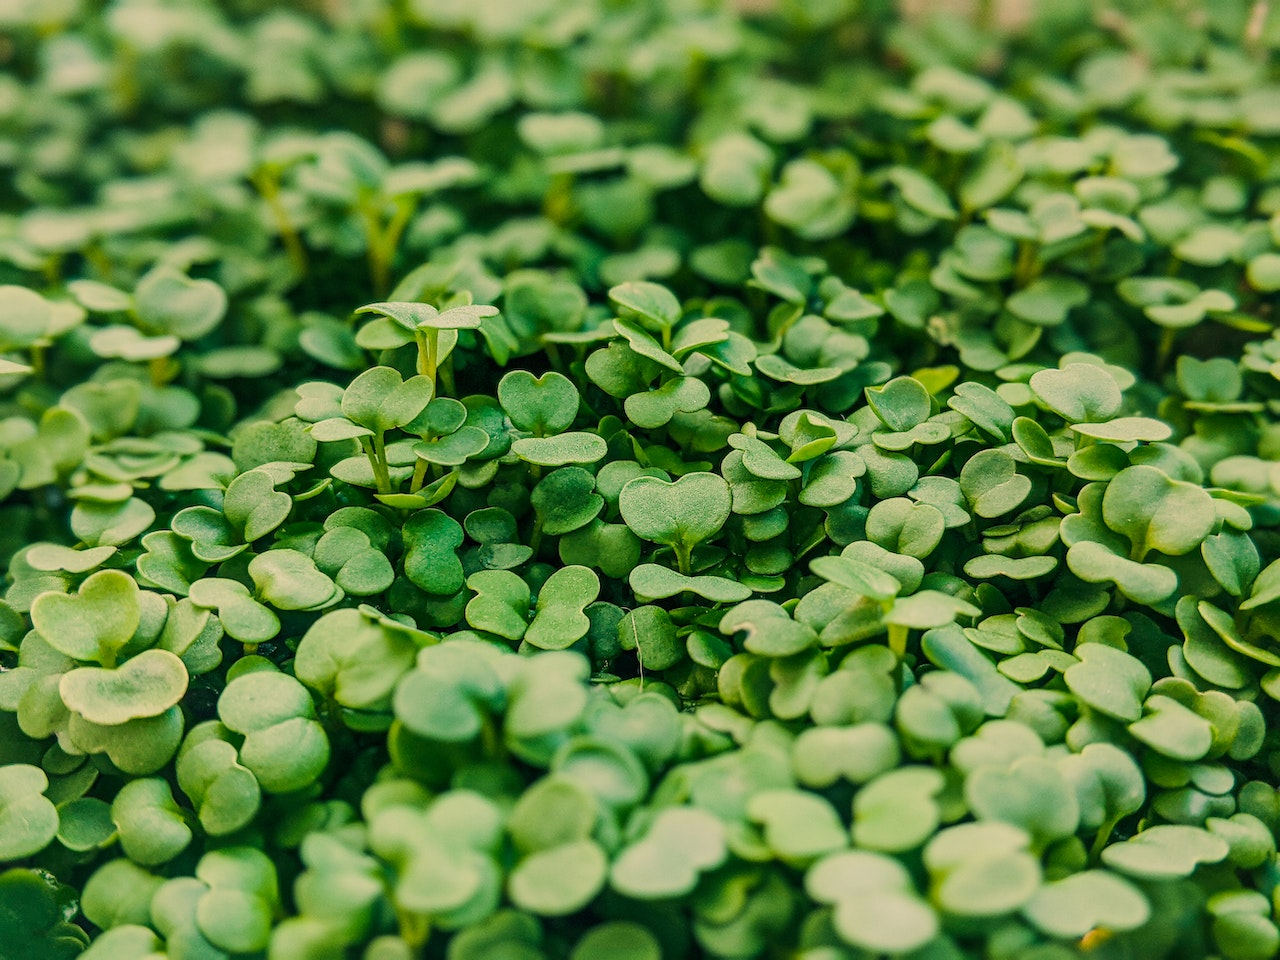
(680, 844)
(290, 580)
(886, 922)
(542, 405)
(1032, 794)
(682, 513)
(898, 810)
(652, 582)
(650, 304)
(1079, 392)
(145, 686)
(253, 505)
(1156, 512)
(152, 827)
(559, 450)
(1094, 899)
(901, 404)
(380, 399)
(799, 827)
(559, 881)
(982, 869)
(922, 193)
(1165, 852)
(559, 620)
(650, 632)
(655, 408)
(1172, 730)
(95, 622)
(28, 820)
(1109, 680)
(169, 302)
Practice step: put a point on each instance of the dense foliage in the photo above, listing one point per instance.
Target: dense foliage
(621, 480)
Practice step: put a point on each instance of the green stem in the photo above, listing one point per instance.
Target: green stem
(552, 351)
(1168, 338)
(1101, 838)
(898, 640)
(433, 352)
(898, 644)
(269, 187)
(684, 557)
(444, 374)
(419, 475)
(1026, 269)
(377, 454)
(414, 929)
(535, 539)
(37, 361)
(379, 269)
(395, 228)
(158, 369)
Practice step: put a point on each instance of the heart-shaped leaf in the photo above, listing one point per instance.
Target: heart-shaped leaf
(1109, 680)
(380, 399)
(655, 408)
(1032, 794)
(254, 506)
(1165, 852)
(680, 844)
(1156, 512)
(901, 404)
(144, 686)
(556, 451)
(897, 811)
(559, 620)
(1093, 899)
(290, 580)
(560, 880)
(169, 302)
(152, 827)
(95, 622)
(679, 514)
(544, 405)
(1079, 392)
(28, 819)
(799, 827)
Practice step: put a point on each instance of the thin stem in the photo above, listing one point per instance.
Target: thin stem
(1101, 838)
(379, 269)
(414, 929)
(445, 376)
(269, 187)
(419, 475)
(898, 644)
(423, 366)
(380, 449)
(433, 353)
(1168, 338)
(898, 640)
(377, 454)
(1027, 268)
(158, 369)
(684, 557)
(395, 228)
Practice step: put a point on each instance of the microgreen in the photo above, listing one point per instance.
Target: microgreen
(604, 492)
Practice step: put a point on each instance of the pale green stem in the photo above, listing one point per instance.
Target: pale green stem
(377, 454)
(419, 475)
